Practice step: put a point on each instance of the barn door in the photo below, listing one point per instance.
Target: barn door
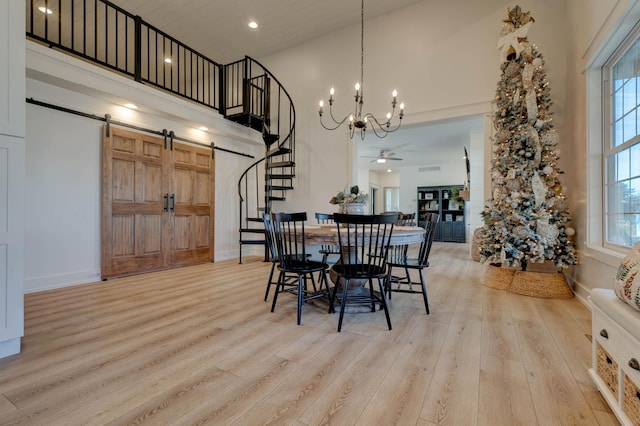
(157, 204)
(192, 205)
(134, 175)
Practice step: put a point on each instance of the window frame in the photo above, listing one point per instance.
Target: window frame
(609, 149)
(618, 29)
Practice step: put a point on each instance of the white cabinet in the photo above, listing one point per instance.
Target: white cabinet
(12, 159)
(616, 354)
(12, 68)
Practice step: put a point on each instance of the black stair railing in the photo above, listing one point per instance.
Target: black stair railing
(256, 98)
(104, 33)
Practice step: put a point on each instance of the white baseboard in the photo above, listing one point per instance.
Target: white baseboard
(51, 282)
(581, 293)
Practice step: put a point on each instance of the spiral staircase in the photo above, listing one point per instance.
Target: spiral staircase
(259, 101)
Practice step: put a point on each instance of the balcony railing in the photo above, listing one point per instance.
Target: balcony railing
(103, 33)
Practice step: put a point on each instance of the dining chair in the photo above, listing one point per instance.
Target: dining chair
(398, 258)
(272, 253)
(289, 236)
(327, 250)
(364, 239)
(406, 219)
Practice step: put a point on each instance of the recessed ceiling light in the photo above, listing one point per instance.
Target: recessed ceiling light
(203, 128)
(131, 106)
(45, 10)
(167, 60)
(388, 170)
(253, 24)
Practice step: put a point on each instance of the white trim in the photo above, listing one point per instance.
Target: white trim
(51, 282)
(612, 33)
(618, 26)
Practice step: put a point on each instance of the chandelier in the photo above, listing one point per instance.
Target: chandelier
(358, 119)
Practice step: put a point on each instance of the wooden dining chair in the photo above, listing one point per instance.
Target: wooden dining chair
(398, 258)
(327, 250)
(289, 236)
(364, 239)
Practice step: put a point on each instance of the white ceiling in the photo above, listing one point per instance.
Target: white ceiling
(219, 30)
(427, 144)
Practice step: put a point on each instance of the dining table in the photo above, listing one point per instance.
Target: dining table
(327, 234)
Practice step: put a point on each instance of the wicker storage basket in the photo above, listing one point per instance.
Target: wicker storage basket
(541, 284)
(475, 244)
(607, 369)
(497, 277)
(631, 400)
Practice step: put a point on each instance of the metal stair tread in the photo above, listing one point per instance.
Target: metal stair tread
(256, 122)
(277, 151)
(276, 164)
(252, 242)
(282, 176)
(253, 230)
(270, 138)
(279, 187)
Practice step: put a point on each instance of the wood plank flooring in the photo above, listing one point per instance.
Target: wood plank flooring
(198, 345)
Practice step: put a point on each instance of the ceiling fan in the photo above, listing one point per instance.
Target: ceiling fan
(384, 156)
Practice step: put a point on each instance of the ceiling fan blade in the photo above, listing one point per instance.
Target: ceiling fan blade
(393, 158)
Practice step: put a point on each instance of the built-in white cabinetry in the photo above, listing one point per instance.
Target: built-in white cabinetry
(616, 354)
(12, 174)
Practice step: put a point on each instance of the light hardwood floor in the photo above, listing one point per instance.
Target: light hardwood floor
(199, 346)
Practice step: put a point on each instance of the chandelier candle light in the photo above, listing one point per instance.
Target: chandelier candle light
(358, 119)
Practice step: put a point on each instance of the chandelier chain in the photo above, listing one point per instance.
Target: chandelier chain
(358, 119)
(362, 44)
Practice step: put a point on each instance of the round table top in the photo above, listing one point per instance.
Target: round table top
(328, 235)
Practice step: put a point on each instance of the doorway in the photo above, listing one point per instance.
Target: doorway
(392, 199)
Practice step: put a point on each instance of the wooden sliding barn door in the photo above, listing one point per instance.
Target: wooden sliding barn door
(192, 177)
(135, 173)
(157, 204)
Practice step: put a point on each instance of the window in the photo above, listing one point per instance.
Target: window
(622, 145)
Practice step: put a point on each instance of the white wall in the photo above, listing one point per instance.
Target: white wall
(442, 59)
(63, 164)
(593, 24)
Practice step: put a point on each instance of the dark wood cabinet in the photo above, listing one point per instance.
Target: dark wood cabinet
(438, 199)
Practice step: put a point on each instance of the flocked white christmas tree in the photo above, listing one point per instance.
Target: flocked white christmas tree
(527, 218)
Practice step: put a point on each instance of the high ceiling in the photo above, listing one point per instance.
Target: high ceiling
(219, 29)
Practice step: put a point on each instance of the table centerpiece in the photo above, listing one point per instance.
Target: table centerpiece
(351, 200)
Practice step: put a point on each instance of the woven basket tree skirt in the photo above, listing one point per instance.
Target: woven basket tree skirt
(548, 285)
